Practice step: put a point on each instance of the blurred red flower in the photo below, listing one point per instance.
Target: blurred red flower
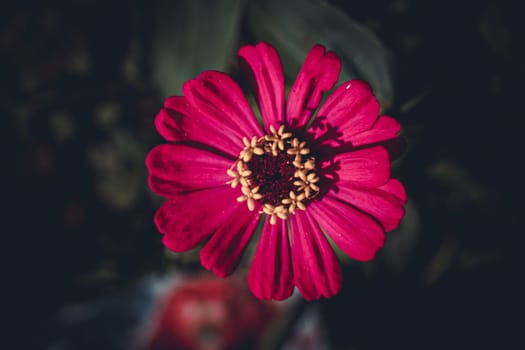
(309, 179)
(206, 313)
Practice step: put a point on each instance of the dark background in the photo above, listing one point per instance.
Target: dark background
(77, 102)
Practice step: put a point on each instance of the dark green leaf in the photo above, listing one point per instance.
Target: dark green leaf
(294, 26)
(193, 36)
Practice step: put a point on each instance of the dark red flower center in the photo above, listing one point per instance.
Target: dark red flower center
(276, 170)
(274, 175)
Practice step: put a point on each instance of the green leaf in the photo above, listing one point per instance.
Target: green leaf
(294, 26)
(192, 36)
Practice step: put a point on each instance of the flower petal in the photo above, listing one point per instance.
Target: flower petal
(188, 219)
(175, 168)
(222, 252)
(383, 206)
(366, 167)
(180, 121)
(270, 275)
(385, 128)
(168, 120)
(395, 188)
(267, 80)
(317, 271)
(356, 233)
(352, 108)
(220, 99)
(318, 74)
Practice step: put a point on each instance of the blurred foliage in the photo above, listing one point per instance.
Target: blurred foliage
(361, 52)
(206, 31)
(81, 82)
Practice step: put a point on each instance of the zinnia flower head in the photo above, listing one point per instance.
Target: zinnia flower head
(310, 174)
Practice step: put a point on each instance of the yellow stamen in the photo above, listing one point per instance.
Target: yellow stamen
(304, 180)
(250, 148)
(275, 212)
(294, 201)
(250, 195)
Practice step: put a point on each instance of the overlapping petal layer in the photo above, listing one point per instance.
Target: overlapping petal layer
(266, 76)
(188, 219)
(271, 274)
(367, 167)
(180, 121)
(395, 188)
(175, 168)
(380, 204)
(350, 109)
(356, 233)
(216, 96)
(318, 74)
(384, 128)
(317, 272)
(222, 252)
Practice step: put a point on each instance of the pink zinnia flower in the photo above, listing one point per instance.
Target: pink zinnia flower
(310, 181)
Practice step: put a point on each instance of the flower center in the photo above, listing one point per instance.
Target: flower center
(276, 170)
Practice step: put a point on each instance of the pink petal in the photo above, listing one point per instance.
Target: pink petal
(270, 275)
(267, 78)
(188, 219)
(216, 96)
(385, 128)
(352, 108)
(222, 252)
(168, 120)
(365, 167)
(317, 271)
(179, 121)
(356, 233)
(175, 168)
(318, 74)
(383, 206)
(395, 188)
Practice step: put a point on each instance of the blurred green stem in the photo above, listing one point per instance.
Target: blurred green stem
(280, 329)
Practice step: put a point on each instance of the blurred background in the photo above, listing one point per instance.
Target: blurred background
(80, 84)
